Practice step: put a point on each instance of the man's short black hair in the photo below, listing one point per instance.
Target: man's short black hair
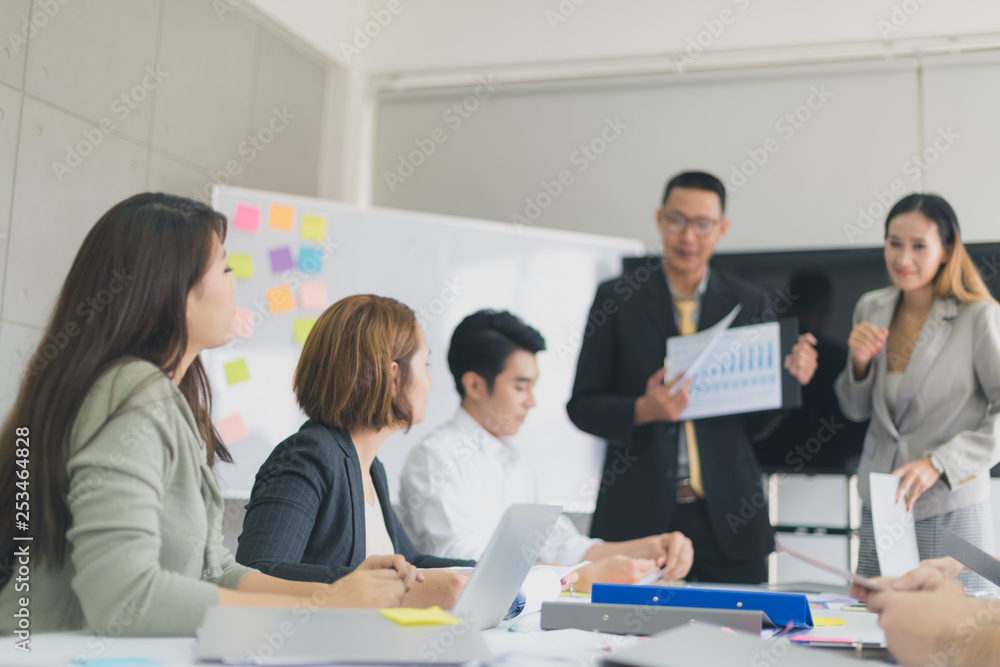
(483, 341)
(696, 180)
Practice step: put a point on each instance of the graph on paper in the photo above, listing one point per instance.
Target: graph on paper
(735, 370)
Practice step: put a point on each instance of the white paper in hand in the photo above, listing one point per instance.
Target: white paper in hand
(895, 531)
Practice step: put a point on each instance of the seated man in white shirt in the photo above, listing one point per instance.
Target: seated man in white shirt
(458, 482)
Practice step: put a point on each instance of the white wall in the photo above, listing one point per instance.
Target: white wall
(221, 75)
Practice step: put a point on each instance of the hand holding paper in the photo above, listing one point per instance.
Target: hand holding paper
(658, 403)
(894, 527)
(916, 477)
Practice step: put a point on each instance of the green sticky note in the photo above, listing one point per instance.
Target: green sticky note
(236, 371)
(241, 265)
(302, 326)
(314, 227)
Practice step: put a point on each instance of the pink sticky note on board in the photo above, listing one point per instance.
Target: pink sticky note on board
(312, 295)
(247, 218)
(232, 429)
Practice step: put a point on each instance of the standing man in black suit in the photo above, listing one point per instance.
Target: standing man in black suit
(700, 478)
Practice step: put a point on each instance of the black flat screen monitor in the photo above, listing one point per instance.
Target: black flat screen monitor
(821, 287)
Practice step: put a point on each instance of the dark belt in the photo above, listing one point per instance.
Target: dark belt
(685, 492)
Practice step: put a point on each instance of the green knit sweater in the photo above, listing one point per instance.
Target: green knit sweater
(145, 550)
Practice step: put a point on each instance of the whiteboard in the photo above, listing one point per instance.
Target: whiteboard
(444, 268)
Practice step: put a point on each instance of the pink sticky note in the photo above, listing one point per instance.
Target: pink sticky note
(232, 429)
(312, 295)
(247, 218)
(243, 322)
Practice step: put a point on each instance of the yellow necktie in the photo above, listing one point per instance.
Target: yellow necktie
(687, 327)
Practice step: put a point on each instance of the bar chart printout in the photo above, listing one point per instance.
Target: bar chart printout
(741, 372)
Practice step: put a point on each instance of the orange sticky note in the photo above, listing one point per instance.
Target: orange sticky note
(237, 371)
(243, 322)
(282, 217)
(232, 429)
(312, 295)
(314, 227)
(280, 299)
(301, 328)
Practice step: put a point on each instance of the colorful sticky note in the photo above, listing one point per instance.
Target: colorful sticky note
(429, 616)
(281, 259)
(247, 218)
(232, 429)
(241, 265)
(282, 217)
(312, 295)
(821, 621)
(301, 328)
(243, 322)
(236, 371)
(818, 639)
(314, 227)
(310, 259)
(280, 299)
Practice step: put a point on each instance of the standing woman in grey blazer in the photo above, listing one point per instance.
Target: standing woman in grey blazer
(924, 366)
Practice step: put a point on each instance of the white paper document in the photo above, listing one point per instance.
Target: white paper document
(732, 371)
(895, 531)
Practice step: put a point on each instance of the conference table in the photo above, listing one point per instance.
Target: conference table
(520, 641)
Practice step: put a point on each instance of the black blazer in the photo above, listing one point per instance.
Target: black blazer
(624, 343)
(306, 516)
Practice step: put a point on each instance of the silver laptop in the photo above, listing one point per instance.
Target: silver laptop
(508, 558)
(268, 636)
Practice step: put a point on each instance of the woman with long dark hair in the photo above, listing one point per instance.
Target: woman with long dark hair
(109, 447)
(924, 366)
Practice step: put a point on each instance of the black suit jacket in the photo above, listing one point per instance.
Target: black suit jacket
(306, 516)
(624, 344)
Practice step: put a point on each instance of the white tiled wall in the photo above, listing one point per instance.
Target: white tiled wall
(180, 83)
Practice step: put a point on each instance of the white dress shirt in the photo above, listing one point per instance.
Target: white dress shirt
(456, 485)
(377, 540)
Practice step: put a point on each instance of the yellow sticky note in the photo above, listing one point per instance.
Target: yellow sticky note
(280, 299)
(242, 265)
(302, 327)
(314, 227)
(820, 621)
(282, 217)
(429, 616)
(236, 371)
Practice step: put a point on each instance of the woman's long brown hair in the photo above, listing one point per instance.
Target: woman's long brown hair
(125, 297)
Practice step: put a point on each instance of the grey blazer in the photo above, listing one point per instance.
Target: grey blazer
(948, 404)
